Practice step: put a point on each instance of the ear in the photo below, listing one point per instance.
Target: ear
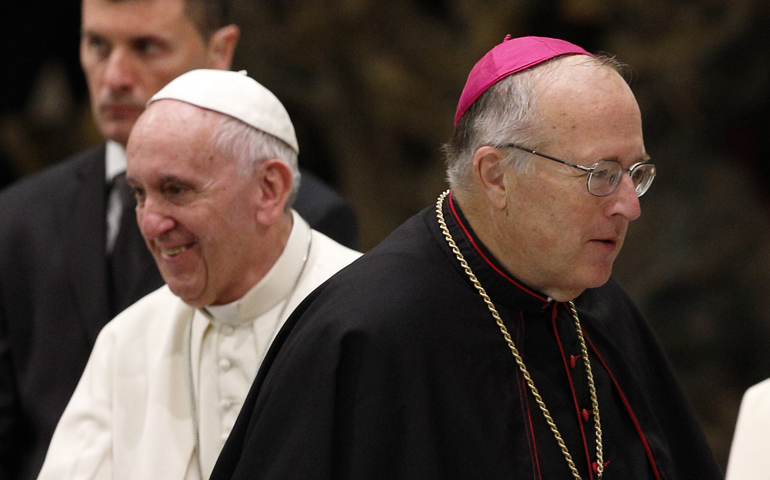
(490, 171)
(222, 47)
(275, 181)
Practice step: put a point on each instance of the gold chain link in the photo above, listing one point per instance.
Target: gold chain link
(520, 361)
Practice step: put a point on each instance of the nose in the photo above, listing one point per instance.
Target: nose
(624, 200)
(119, 72)
(152, 220)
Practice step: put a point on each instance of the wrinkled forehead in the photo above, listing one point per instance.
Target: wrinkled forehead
(172, 121)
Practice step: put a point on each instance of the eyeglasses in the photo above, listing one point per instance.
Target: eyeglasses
(605, 175)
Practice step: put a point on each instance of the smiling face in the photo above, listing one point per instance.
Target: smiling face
(551, 233)
(129, 50)
(197, 210)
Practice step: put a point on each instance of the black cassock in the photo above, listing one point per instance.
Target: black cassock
(395, 369)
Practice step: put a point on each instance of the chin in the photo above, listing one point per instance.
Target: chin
(190, 295)
(600, 279)
(595, 278)
(117, 130)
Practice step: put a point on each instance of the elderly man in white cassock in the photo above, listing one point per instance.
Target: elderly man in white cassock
(213, 164)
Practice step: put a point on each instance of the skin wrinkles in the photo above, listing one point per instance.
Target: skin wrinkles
(201, 217)
(545, 227)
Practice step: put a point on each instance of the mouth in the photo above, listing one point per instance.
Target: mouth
(170, 250)
(115, 110)
(606, 243)
(173, 252)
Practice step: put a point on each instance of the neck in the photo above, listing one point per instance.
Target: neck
(267, 247)
(487, 222)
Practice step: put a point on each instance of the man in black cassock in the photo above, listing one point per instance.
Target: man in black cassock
(483, 339)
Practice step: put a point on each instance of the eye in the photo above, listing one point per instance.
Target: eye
(139, 194)
(607, 171)
(96, 45)
(174, 189)
(600, 174)
(147, 46)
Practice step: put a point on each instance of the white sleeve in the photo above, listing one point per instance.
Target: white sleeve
(81, 447)
(749, 459)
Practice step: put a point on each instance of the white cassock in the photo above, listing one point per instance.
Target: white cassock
(131, 416)
(750, 450)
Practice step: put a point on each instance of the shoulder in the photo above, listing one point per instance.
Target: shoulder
(408, 261)
(406, 277)
(46, 188)
(331, 253)
(758, 394)
(155, 313)
(748, 451)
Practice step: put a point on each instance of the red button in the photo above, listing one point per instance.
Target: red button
(586, 413)
(572, 360)
(596, 466)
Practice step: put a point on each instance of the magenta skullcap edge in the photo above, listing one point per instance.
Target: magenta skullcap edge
(506, 58)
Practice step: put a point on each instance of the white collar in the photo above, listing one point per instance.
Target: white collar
(274, 287)
(114, 160)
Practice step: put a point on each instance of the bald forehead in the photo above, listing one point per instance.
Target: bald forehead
(176, 115)
(563, 71)
(580, 83)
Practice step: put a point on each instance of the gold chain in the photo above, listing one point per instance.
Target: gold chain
(520, 361)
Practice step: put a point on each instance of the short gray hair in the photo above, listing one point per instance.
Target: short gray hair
(251, 147)
(506, 113)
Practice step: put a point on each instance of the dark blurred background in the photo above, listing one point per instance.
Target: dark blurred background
(372, 86)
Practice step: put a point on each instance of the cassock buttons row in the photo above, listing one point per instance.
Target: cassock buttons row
(573, 360)
(587, 414)
(225, 364)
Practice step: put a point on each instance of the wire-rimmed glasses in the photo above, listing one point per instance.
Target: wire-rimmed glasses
(604, 175)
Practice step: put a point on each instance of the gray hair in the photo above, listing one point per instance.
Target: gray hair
(251, 147)
(506, 113)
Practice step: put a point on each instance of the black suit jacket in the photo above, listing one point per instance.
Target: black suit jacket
(54, 292)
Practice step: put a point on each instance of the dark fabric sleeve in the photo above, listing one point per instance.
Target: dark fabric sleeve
(11, 440)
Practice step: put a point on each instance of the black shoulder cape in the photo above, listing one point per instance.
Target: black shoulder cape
(395, 369)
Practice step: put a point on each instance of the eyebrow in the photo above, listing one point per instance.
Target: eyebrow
(644, 158)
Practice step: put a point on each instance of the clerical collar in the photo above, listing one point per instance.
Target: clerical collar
(273, 287)
(114, 161)
(498, 282)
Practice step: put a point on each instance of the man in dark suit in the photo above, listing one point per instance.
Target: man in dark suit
(71, 256)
